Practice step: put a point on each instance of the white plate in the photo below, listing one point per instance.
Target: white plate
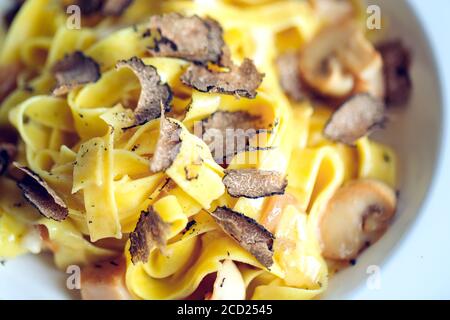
(412, 259)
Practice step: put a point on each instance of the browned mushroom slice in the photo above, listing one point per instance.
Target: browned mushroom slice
(8, 152)
(339, 59)
(41, 195)
(355, 118)
(396, 64)
(191, 38)
(288, 70)
(355, 217)
(254, 183)
(150, 232)
(115, 7)
(73, 70)
(167, 147)
(228, 133)
(241, 81)
(154, 93)
(252, 236)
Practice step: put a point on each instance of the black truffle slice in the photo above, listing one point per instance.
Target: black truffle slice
(356, 118)
(115, 7)
(228, 133)
(190, 38)
(150, 232)
(41, 195)
(396, 65)
(252, 236)
(73, 70)
(254, 183)
(241, 81)
(167, 147)
(7, 153)
(288, 71)
(154, 93)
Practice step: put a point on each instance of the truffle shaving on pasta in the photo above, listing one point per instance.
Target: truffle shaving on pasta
(41, 195)
(154, 93)
(74, 70)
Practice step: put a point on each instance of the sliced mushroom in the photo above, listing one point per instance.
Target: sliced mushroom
(355, 118)
(355, 217)
(229, 284)
(340, 60)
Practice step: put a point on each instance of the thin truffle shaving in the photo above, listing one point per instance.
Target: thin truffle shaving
(7, 153)
(150, 232)
(242, 81)
(254, 183)
(396, 64)
(154, 93)
(167, 147)
(73, 70)
(41, 195)
(252, 236)
(228, 133)
(190, 38)
(356, 118)
(288, 69)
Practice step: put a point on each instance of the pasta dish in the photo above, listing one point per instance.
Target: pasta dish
(205, 149)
